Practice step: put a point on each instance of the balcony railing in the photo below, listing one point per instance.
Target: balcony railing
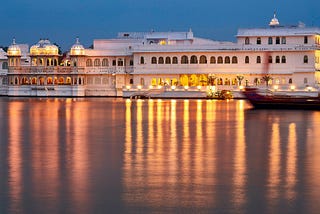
(69, 70)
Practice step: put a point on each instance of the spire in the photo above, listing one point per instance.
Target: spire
(274, 22)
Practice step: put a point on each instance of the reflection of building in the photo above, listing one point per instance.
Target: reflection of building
(137, 61)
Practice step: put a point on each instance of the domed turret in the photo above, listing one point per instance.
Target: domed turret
(274, 21)
(14, 49)
(44, 47)
(77, 49)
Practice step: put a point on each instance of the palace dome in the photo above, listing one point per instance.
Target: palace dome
(44, 47)
(14, 49)
(274, 21)
(77, 49)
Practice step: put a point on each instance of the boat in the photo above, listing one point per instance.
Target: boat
(268, 100)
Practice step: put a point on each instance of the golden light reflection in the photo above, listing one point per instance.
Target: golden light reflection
(240, 168)
(274, 161)
(139, 135)
(291, 178)
(14, 153)
(128, 127)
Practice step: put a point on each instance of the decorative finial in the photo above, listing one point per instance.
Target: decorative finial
(14, 41)
(77, 40)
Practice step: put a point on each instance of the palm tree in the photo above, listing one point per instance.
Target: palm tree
(267, 78)
(240, 78)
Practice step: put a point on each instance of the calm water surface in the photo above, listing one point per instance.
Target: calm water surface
(105, 155)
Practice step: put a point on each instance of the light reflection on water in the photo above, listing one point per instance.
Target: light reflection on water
(102, 155)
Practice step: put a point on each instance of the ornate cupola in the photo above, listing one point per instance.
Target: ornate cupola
(274, 21)
(77, 54)
(77, 49)
(44, 53)
(14, 54)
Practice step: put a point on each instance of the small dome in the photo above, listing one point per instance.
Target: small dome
(44, 47)
(77, 49)
(274, 21)
(14, 49)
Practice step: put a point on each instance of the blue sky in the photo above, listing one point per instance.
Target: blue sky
(63, 20)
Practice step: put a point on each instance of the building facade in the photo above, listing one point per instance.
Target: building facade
(175, 64)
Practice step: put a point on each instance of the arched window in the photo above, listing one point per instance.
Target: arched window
(283, 59)
(234, 60)
(193, 60)
(97, 62)
(5, 65)
(270, 59)
(184, 60)
(203, 59)
(174, 60)
(160, 60)
(259, 41)
(277, 40)
(258, 59)
(154, 60)
(305, 59)
(89, 63)
(270, 41)
(247, 41)
(227, 60)
(246, 60)
(212, 60)
(277, 59)
(220, 60)
(105, 62)
(168, 60)
(290, 81)
(142, 60)
(283, 40)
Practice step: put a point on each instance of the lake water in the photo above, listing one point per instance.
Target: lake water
(107, 155)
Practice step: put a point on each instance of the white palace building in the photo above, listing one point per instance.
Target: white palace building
(166, 64)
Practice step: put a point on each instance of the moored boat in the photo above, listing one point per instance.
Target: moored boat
(268, 100)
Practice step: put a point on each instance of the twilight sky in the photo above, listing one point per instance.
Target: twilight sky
(63, 20)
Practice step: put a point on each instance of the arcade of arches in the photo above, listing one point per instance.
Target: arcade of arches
(55, 80)
(207, 80)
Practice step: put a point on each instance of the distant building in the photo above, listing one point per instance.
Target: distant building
(152, 63)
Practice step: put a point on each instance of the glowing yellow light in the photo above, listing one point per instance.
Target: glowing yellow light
(186, 87)
(199, 87)
(173, 87)
(151, 87)
(292, 88)
(159, 86)
(276, 87)
(128, 87)
(139, 87)
(309, 88)
(241, 87)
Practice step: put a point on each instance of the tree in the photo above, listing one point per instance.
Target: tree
(267, 78)
(240, 78)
